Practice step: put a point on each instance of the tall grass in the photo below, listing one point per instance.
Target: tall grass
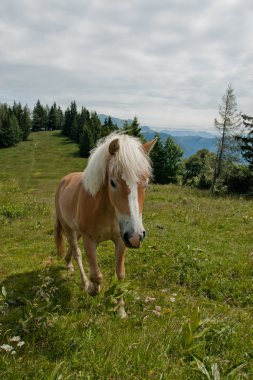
(188, 295)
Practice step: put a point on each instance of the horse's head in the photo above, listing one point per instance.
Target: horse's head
(127, 194)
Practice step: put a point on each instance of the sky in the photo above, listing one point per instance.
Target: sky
(168, 62)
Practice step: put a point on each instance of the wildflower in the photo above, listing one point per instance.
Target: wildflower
(164, 290)
(149, 299)
(156, 312)
(167, 310)
(15, 339)
(13, 352)
(6, 347)
(172, 299)
(20, 344)
(174, 294)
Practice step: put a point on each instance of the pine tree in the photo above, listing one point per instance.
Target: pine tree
(246, 141)
(227, 126)
(18, 111)
(86, 142)
(10, 132)
(83, 118)
(133, 129)
(95, 127)
(172, 166)
(108, 127)
(39, 119)
(52, 118)
(66, 123)
(70, 126)
(25, 123)
(60, 118)
(158, 160)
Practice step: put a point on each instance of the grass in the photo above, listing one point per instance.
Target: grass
(188, 289)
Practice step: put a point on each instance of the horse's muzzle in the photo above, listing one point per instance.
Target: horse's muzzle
(133, 241)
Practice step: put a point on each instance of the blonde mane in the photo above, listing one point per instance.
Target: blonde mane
(129, 162)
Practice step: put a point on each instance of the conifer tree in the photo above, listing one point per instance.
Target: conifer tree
(133, 129)
(158, 160)
(60, 118)
(25, 123)
(172, 161)
(52, 119)
(95, 127)
(39, 117)
(86, 142)
(227, 126)
(108, 127)
(10, 132)
(246, 141)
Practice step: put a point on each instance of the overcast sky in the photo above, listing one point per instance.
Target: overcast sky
(166, 61)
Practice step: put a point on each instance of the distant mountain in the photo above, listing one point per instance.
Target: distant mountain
(189, 144)
(189, 132)
(189, 140)
(115, 120)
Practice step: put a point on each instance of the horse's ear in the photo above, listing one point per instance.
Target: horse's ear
(148, 146)
(114, 146)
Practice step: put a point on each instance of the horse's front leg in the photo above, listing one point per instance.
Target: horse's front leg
(120, 249)
(90, 247)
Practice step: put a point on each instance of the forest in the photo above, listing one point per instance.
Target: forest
(229, 170)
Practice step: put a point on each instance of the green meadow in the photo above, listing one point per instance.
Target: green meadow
(188, 289)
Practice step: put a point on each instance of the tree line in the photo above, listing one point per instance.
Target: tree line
(230, 169)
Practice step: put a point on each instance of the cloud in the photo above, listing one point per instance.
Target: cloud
(169, 63)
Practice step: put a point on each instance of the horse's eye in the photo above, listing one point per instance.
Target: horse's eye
(113, 184)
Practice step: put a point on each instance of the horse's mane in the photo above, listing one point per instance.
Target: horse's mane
(129, 162)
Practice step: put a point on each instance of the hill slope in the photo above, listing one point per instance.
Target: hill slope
(198, 253)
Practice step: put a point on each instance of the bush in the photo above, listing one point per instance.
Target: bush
(239, 180)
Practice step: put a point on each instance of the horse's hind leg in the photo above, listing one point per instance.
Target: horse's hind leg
(75, 251)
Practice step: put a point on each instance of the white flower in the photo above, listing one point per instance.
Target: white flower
(13, 352)
(20, 344)
(172, 299)
(156, 312)
(164, 290)
(158, 308)
(174, 294)
(15, 339)
(149, 299)
(6, 347)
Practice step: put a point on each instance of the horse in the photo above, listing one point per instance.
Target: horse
(103, 203)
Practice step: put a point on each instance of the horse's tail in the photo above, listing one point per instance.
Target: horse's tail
(59, 237)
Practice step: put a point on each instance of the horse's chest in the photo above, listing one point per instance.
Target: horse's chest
(102, 228)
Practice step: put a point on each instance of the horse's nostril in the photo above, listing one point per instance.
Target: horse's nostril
(142, 236)
(125, 236)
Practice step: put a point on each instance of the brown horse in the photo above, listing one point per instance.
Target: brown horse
(104, 203)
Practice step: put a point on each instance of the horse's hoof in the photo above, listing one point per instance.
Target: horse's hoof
(70, 269)
(93, 289)
(122, 313)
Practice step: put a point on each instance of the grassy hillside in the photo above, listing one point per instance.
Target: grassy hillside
(188, 292)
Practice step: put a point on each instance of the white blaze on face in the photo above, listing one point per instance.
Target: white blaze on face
(135, 216)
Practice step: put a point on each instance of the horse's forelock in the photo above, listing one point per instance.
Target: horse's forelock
(130, 162)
